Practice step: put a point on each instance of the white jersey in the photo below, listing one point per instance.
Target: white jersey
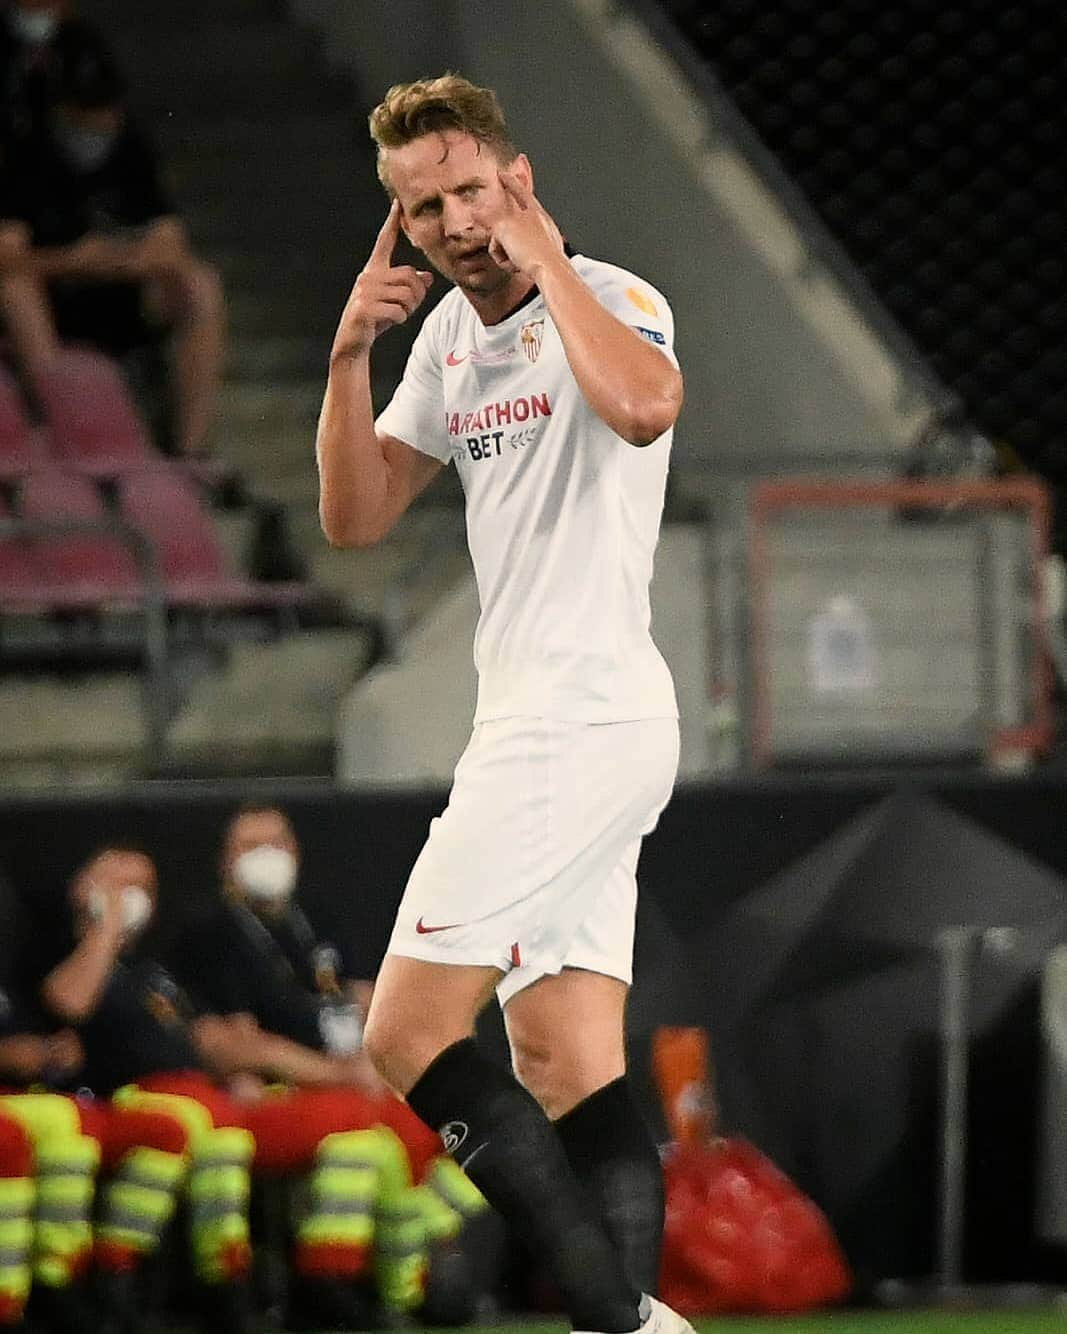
(562, 514)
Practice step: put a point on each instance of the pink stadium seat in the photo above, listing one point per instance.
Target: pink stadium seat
(83, 568)
(167, 508)
(20, 448)
(22, 583)
(92, 421)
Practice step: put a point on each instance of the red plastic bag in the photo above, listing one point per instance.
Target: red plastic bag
(741, 1237)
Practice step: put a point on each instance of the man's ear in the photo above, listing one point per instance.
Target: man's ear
(520, 167)
(404, 224)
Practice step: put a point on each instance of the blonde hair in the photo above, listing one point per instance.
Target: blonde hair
(426, 106)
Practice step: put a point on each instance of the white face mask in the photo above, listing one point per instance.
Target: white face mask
(35, 26)
(86, 149)
(266, 874)
(136, 908)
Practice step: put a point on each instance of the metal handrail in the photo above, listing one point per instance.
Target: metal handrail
(152, 602)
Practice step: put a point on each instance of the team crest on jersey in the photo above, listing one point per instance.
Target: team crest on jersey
(531, 336)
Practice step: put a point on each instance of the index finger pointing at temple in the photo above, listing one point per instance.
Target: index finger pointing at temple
(516, 189)
(388, 236)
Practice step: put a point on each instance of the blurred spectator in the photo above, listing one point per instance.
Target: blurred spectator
(111, 263)
(260, 868)
(140, 1157)
(140, 1029)
(40, 41)
(255, 951)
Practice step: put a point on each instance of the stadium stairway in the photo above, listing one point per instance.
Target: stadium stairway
(263, 146)
(266, 154)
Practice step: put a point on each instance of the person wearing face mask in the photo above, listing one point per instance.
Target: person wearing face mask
(256, 952)
(290, 979)
(105, 1178)
(110, 262)
(39, 41)
(154, 1049)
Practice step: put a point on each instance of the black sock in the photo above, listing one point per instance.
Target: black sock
(510, 1150)
(613, 1155)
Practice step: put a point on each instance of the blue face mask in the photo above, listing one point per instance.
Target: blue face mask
(86, 149)
(35, 26)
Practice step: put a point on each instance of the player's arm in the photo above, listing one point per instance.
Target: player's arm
(367, 481)
(625, 379)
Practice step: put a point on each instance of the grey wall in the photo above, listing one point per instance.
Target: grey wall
(761, 383)
(374, 750)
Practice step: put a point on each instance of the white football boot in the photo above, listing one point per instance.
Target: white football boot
(659, 1319)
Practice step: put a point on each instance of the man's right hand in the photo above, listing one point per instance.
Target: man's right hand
(384, 294)
(23, 1057)
(105, 905)
(65, 1054)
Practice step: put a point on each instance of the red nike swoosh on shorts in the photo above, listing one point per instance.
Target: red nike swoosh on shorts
(424, 930)
(453, 360)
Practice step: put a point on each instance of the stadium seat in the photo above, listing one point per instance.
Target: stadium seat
(92, 421)
(166, 507)
(82, 569)
(20, 447)
(22, 582)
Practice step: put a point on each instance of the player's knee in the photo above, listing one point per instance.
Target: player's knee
(394, 1048)
(378, 1042)
(538, 1070)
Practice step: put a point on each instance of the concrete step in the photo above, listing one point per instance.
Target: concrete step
(46, 721)
(273, 708)
(426, 552)
(247, 90)
(297, 488)
(221, 221)
(297, 165)
(236, 530)
(266, 457)
(278, 407)
(119, 15)
(291, 273)
(279, 357)
(295, 130)
(216, 54)
(69, 773)
(278, 211)
(259, 312)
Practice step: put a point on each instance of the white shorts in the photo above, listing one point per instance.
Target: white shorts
(532, 865)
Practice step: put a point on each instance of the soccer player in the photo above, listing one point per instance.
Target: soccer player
(549, 380)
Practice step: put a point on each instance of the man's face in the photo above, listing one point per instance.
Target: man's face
(441, 180)
(111, 872)
(257, 829)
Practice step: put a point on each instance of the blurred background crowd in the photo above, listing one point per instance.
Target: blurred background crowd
(857, 213)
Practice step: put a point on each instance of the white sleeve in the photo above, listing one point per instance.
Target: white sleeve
(416, 412)
(639, 305)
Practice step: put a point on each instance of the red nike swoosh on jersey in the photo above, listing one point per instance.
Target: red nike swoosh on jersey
(453, 360)
(424, 930)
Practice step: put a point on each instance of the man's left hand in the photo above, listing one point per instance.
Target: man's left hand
(524, 236)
